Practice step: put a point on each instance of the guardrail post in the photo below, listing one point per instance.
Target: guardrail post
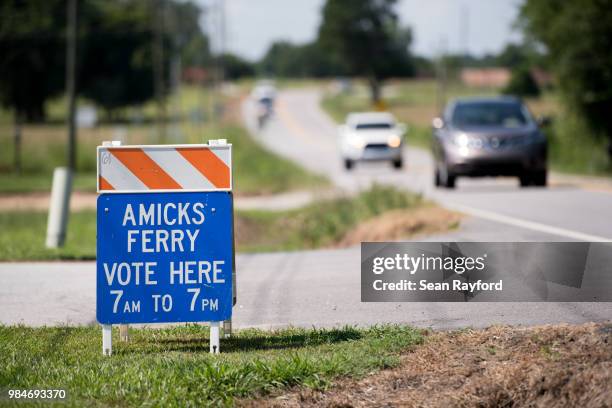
(59, 207)
(214, 338)
(107, 339)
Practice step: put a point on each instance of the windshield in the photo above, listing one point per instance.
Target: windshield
(509, 115)
(365, 126)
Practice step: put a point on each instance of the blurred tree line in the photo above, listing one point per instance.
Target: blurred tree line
(115, 56)
(117, 43)
(285, 59)
(577, 38)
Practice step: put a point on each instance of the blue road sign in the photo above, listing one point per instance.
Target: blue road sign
(164, 257)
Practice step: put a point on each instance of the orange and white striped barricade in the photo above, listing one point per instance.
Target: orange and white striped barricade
(162, 168)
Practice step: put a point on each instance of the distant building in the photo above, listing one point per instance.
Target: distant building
(195, 75)
(486, 77)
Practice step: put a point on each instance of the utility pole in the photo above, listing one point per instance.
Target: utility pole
(464, 33)
(59, 207)
(218, 34)
(441, 76)
(157, 26)
(464, 30)
(71, 81)
(221, 68)
(222, 33)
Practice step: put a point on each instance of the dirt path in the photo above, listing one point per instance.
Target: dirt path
(40, 201)
(87, 201)
(548, 366)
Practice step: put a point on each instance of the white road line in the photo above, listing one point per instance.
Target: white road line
(517, 222)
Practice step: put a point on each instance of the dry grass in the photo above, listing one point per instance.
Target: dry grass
(398, 224)
(548, 366)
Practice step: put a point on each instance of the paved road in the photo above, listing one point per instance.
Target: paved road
(322, 288)
(311, 288)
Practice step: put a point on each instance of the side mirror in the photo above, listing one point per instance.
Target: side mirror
(437, 123)
(543, 121)
(402, 128)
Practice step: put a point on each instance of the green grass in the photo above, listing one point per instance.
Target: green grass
(419, 136)
(23, 236)
(26, 183)
(339, 105)
(172, 367)
(573, 150)
(315, 225)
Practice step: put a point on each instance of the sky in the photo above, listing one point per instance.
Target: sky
(252, 25)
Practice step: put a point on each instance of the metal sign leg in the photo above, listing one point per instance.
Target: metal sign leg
(107, 339)
(214, 338)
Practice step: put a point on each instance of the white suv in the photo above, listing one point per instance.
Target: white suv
(371, 136)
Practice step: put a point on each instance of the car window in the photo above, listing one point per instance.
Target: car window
(365, 126)
(508, 115)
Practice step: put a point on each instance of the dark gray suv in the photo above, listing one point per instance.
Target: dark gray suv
(478, 137)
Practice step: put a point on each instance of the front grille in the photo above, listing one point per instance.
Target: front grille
(495, 143)
(376, 146)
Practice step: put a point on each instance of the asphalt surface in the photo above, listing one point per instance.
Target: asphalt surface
(322, 288)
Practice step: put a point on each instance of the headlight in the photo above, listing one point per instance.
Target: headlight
(461, 140)
(394, 141)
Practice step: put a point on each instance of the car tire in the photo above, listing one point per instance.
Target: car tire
(444, 178)
(437, 182)
(450, 181)
(540, 178)
(397, 164)
(348, 164)
(525, 180)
